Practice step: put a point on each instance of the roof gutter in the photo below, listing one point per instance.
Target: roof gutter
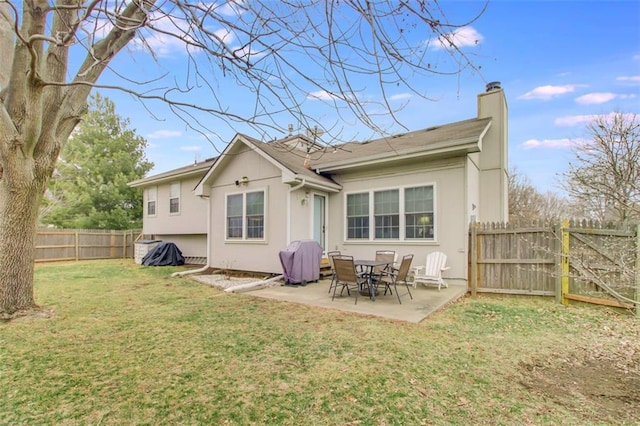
(298, 186)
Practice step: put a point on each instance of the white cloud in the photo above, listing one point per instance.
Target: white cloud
(573, 120)
(191, 148)
(631, 79)
(164, 134)
(400, 96)
(465, 36)
(233, 8)
(321, 95)
(595, 98)
(161, 44)
(548, 143)
(547, 92)
(226, 36)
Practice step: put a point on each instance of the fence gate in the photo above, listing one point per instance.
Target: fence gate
(577, 260)
(599, 264)
(513, 259)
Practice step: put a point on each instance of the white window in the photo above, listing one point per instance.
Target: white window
(391, 214)
(386, 210)
(174, 198)
(418, 211)
(152, 195)
(245, 216)
(358, 216)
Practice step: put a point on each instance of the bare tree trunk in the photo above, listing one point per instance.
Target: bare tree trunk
(18, 219)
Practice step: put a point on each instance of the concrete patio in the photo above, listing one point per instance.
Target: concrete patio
(426, 300)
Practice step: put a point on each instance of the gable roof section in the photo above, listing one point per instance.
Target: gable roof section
(191, 170)
(458, 138)
(283, 156)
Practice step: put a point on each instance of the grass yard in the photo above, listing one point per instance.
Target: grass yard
(129, 345)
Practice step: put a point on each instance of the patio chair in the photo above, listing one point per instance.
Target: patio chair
(333, 268)
(346, 276)
(384, 256)
(399, 276)
(431, 273)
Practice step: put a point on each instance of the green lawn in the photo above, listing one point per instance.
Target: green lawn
(129, 345)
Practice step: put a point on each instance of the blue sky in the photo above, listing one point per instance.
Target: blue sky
(559, 62)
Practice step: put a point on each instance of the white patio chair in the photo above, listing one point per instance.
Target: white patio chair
(431, 273)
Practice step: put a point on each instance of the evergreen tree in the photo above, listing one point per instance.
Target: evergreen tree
(89, 187)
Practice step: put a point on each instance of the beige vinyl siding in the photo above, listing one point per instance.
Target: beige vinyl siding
(251, 255)
(191, 218)
(447, 177)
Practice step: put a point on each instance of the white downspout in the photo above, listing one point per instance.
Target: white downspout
(293, 188)
(207, 263)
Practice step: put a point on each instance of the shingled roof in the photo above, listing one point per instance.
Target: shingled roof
(463, 136)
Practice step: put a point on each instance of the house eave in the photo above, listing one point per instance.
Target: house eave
(196, 170)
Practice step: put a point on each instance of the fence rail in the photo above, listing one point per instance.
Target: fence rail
(84, 244)
(583, 261)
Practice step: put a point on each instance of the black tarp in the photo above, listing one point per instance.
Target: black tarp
(163, 254)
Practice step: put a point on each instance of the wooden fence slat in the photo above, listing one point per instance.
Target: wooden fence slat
(576, 257)
(81, 244)
(598, 301)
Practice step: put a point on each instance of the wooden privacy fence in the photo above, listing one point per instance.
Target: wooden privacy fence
(83, 244)
(577, 260)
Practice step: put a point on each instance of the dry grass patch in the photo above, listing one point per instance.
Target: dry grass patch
(129, 345)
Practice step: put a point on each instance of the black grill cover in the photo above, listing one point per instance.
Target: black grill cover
(163, 254)
(301, 261)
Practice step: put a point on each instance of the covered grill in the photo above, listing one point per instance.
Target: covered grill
(301, 262)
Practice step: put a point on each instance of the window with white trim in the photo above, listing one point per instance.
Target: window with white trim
(152, 196)
(391, 214)
(358, 216)
(386, 211)
(174, 198)
(418, 211)
(245, 216)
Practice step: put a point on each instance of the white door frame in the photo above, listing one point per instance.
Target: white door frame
(314, 225)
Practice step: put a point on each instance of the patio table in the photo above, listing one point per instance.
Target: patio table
(369, 265)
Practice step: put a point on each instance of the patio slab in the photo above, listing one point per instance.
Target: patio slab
(426, 300)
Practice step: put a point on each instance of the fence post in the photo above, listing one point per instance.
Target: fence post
(473, 253)
(557, 248)
(564, 262)
(77, 245)
(112, 244)
(637, 271)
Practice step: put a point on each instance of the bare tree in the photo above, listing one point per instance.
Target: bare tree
(527, 204)
(282, 53)
(603, 180)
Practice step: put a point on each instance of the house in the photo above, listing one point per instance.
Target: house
(413, 193)
(173, 213)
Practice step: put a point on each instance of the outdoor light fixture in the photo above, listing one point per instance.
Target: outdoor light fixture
(243, 181)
